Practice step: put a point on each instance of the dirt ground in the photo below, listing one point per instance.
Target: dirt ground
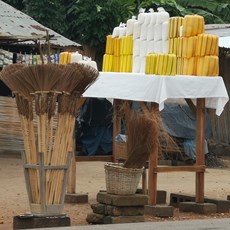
(90, 179)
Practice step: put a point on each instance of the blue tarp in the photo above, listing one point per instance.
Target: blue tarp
(181, 122)
(95, 121)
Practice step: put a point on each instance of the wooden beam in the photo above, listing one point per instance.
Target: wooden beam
(94, 158)
(200, 136)
(116, 126)
(191, 105)
(193, 168)
(153, 162)
(71, 186)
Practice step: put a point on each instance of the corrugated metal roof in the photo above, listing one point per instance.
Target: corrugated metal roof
(222, 30)
(15, 23)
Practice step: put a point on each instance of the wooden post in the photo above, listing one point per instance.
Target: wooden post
(153, 163)
(116, 126)
(42, 180)
(71, 186)
(200, 136)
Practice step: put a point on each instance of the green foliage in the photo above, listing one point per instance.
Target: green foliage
(48, 12)
(213, 11)
(170, 6)
(91, 20)
(18, 4)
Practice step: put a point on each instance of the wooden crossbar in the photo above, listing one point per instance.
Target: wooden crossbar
(194, 168)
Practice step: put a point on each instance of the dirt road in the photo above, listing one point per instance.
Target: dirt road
(90, 179)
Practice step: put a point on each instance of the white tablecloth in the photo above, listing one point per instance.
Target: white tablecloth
(152, 88)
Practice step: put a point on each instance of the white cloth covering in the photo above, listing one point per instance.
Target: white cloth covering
(152, 88)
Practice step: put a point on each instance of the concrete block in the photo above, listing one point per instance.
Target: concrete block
(94, 218)
(109, 210)
(124, 211)
(29, 222)
(159, 210)
(201, 208)
(123, 219)
(161, 195)
(223, 206)
(122, 200)
(76, 198)
(98, 208)
(176, 198)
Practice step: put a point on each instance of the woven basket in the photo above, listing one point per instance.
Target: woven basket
(121, 181)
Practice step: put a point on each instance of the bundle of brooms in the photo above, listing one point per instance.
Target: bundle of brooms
(143, 133)
(43, 92)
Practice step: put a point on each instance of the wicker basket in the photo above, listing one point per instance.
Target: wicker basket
(121, 181)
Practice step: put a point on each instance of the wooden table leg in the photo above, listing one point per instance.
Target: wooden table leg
(71, 186)
(200, 136)
(153, 163)
(116, 126)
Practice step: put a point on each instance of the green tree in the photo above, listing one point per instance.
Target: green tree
(91, 20)
(214, 11)
(48, 12)
(18, 4)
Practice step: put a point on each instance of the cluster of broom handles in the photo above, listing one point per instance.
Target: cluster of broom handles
(52, 133)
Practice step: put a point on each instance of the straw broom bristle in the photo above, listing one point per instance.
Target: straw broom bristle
(43, 84)
(143, 132)
(76, 78)
(9, 75)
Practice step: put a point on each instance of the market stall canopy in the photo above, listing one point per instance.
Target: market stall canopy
(222, 30)
(19, 27)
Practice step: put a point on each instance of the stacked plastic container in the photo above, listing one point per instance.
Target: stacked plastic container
(162, 46)
(197, 52)
(119, 49)
(150, 36)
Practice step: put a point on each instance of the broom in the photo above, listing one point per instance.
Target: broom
(30, 81)
(143, 132)
(43, 84)
(76, 78)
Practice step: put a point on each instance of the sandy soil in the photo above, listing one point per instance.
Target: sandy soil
(90, 179)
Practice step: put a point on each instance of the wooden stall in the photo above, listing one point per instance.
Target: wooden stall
(206, 92)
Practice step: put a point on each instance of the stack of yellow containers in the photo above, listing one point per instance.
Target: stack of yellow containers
(109, 53)
(161, 64)
(193, 25)
(126, 54)
(174, 33)
(207, 55)
(118, 56)
(65, 58)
